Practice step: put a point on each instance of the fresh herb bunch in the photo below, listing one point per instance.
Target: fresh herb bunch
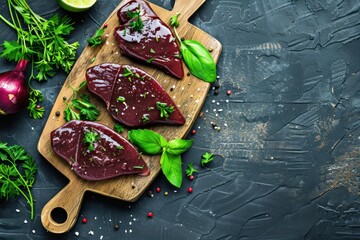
(80, 107)
(150, 142)
(196, 57)
(96, 40)
(40, 41)
(17, 174)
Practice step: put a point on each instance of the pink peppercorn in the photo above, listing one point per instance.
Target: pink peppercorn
(84, 220)
(158, 189)
(190, 189)
(228, 92)
(150, 214)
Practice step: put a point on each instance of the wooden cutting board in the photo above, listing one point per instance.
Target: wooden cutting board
(189, 94)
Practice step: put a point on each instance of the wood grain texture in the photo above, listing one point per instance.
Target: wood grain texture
(188, 93)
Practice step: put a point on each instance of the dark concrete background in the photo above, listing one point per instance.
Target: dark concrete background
(288, 149)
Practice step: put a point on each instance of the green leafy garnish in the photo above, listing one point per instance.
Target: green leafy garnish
(80, 108)
(150, 142)
(90, 138)
(206, 158)
(96, 40)
(190, 170)
(171, 168)
(198, 59)
(120, 99)
(40, 41)
(35, 110)
(136, 22)
(17, 174)
(127, 72)
(174, 20)
(178, 146)
(150, 60)
(145, 118)
(164, 109)
(119, 147)
(147, 141)
(118, 128)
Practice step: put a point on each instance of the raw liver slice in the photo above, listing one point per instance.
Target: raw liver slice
(140, 91)
(154, 42)
(106, 161)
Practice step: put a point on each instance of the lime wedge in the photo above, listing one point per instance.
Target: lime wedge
(76, 5)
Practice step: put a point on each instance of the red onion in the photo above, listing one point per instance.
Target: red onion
(14, 91)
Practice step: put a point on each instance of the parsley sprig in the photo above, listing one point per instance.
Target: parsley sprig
(190, 170)
(118, 128)
(136, 22)
(96, 40)
(35, 110)
(90, 138)
(41, 42)
(164, 109)
(17, 174)
(206, 158)
(80, 107)
(174, 20)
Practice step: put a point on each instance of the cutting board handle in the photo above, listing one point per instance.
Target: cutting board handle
(66, 203)
(186, 8)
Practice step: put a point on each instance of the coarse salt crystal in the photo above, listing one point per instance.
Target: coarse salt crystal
(101, 237)
(77, 233)
(17, 210)
(25, 221)
(33, 231)
(91, 233)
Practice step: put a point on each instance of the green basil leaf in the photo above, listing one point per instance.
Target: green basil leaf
(199, 60)
(178, 146)
(171, 167)
(148, 142)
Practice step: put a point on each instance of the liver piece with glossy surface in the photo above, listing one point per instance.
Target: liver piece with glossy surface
(132, 96)
(112, 155)
(154, 43)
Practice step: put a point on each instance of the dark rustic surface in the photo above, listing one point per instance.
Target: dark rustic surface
(288, 156)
